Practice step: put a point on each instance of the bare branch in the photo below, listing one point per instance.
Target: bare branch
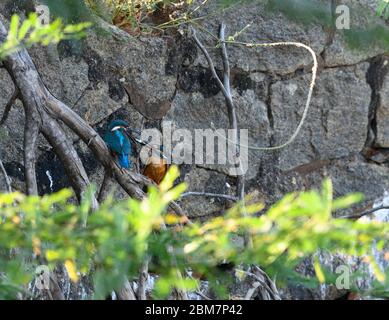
(105, 187)
(230, 106)
(38, 100)
(8, 106)
(31, 132)
(360, 215)
(233, 121)
(268, 289)
(55, 292)
(6, 178)
(252, 291)
(209, 60)
(143, 276)
(67, 154)
(226, 64)
(208, 194)
(126, 292)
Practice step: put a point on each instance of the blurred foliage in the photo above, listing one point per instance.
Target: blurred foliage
(373, 33)
(133, 16)
(304, 11)
(142, 16)
(70, 11)
(120, 235)
(383, 9)
(31, 32)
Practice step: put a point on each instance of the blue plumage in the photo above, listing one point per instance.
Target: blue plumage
(123, 161)
(118, 142)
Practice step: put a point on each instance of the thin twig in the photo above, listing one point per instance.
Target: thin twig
(6, 178)
(233, 124)
(360, 215)
(208, 194)
(209, 60)
(202, 295)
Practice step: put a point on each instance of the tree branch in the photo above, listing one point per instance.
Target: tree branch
(105, 187)
(143, 275)
(126, 292)
(68, 155)
(226, 90)
(31, 132)
(38, 100)
(268, 288)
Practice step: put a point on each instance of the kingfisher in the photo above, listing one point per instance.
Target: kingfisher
(118, 142)
(156, 167)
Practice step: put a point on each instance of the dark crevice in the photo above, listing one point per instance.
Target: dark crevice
(199, 79)
(200, 166)
(268, 102)
(14, 169)
(338, 66)
(175, 88)
(330, 31)
(129, 96)
(375, 77)
(115, 90)
(241, 81)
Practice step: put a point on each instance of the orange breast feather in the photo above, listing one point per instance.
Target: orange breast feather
(156, 169)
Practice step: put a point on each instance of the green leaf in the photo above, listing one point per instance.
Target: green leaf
(13, 28)
(347, 201)
(24, 29)
(381, 8)
(318, 270)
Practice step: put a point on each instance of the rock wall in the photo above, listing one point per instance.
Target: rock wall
(151, 80)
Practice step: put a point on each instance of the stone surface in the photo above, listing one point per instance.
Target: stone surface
(149, 81)
(264, 27)
(202, 180)
(132, 66)
(382, 115)
(362, 18)
(194, 111)
(337, 122)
